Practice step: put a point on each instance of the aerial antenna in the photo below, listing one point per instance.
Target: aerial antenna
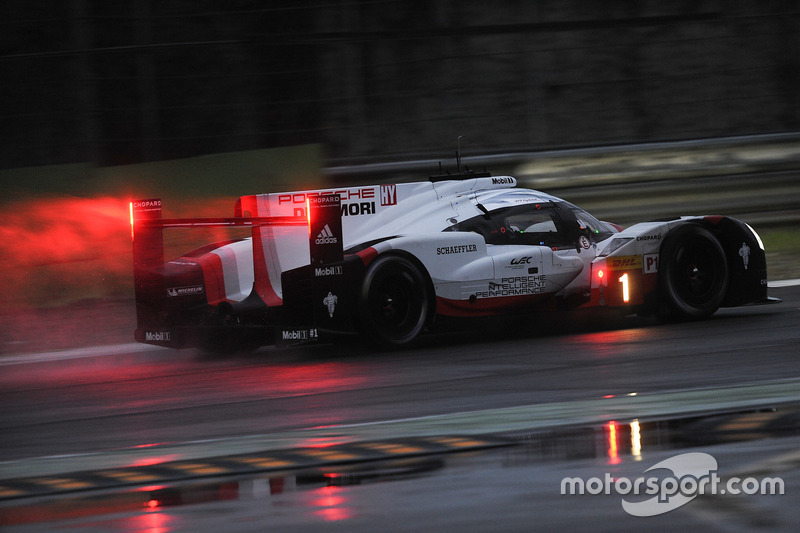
(462, 173)
(458, 154)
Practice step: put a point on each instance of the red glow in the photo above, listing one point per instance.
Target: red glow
(151, 488)
(85, 509)
(308, 216)
(600, 274)
(150, 461)
(60, 249)
(49, 244)
(130, 205)
(334, 514)
(153, 522)
(323, 442)
(330, 504)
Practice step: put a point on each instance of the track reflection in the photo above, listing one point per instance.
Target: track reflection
(320, 492)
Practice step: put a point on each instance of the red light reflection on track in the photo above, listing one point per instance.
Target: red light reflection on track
(604, 344)
(303, 379)
(155, 521)
(613, 449)
(150, 461)
(330, 504)
(82, 508)
(324, 442)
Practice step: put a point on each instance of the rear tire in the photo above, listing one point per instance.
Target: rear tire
(693, 276)
(395, 301)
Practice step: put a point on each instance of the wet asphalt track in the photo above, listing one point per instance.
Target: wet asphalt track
(99, 403)
(87, 405)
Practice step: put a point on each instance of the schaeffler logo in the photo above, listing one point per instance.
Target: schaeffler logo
(326, 236)
(692, 474)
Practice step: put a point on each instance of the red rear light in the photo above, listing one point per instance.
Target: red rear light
(600, 273)
(130, 207)
(308, 215)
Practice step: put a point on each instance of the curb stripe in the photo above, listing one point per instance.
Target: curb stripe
(243, 464)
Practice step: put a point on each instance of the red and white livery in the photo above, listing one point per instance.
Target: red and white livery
(387, 260)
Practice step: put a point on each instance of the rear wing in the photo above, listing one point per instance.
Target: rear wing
(321, 215)
(321, 218)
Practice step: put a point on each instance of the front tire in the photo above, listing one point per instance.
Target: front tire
(395, 301)
(693, 277)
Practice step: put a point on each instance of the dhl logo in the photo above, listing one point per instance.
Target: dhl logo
(626, 262)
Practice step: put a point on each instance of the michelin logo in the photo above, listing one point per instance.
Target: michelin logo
(185, 291)
(744, 253)
(330, 302)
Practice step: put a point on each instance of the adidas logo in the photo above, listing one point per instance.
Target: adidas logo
(326, 236)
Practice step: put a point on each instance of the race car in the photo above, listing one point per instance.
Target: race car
(388, 260)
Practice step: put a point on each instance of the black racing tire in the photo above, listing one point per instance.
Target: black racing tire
(693, 275)
(395, 301)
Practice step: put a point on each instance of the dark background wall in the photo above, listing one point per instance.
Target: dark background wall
(114, 82)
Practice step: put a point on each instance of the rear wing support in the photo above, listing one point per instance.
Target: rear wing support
(147, 227)
(322, 217)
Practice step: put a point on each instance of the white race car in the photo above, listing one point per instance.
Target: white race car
(387, 260)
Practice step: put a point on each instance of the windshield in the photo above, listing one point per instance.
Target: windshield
(552, 224)
(600, 231)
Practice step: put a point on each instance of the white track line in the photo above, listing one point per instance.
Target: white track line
(783, 283)
(77, 353)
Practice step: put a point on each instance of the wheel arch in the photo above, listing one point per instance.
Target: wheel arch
(672, 236)
(745, 284)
